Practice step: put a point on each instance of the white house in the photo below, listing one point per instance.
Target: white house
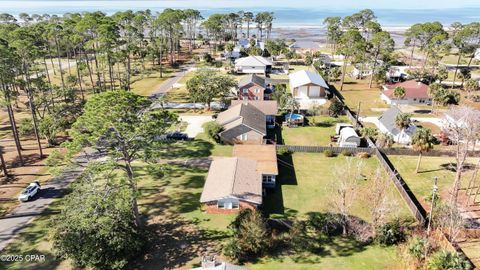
(386, 124)
(477, 54)
(308, 87)
(415, 93)
(253, 65)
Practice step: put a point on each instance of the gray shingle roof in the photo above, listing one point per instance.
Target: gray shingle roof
(252, 78)
(243, 114)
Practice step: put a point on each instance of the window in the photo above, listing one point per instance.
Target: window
(257, 90)
(268, 178)
(235, 204)
(244, 137)
(256, 98)
(245, 90)
(221, 204)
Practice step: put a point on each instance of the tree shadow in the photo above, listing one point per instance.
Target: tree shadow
(273, 203)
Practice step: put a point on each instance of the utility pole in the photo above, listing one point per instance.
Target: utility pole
(358, 113)
(434, 191)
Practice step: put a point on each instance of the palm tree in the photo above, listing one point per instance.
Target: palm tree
(403, 121)
(399, 92)
(433, 90)
(422, 141)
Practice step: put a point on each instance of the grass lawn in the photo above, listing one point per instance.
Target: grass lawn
(318, 135)
(430, 167)
(340, 253)
(358, 91)
(305, 188)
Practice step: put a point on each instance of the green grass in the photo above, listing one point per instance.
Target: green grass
(369, 98)
(318, 135)
(430, 167)
(306, 188)
(340, 253)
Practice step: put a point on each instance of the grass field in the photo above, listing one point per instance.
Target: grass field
(369, 98)
(305, 188)
(318, 135)
(430, 167)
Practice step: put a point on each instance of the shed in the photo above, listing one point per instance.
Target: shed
(348, 138)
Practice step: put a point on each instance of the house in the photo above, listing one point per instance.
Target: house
(211, 263)
(232, 184)
(308, 87)
(243, 124)
(396, 73)
(268, 107)
(386, 124)
(266, 158)
(304, 46)
(415, 93)
(253, 65)
(348, 138)
(477, 54)
(253, 87)
(362, 71)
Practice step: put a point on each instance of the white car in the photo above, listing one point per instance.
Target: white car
(29, 192)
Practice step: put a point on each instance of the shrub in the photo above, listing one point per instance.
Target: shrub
(416, 248)
(325, 223)
(55, 163)
(328, 153)
(298, 236)
(347, 153)
(212, 129)
(25, 127)
(369, 132)
(335, 108)
(446, 260)
(233, 250)
(363, 155)
(283, 151)
(390, 234)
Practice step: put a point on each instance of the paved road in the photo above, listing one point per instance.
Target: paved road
(433, 120)
(168, 84)
(23, 214)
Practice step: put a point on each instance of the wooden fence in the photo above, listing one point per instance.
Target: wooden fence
(321, 149)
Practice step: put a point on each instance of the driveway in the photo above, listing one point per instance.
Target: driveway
(195, 123)
(433, 120)
(12, 223)
(170, 82)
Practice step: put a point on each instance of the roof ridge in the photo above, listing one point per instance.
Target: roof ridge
(234, 176)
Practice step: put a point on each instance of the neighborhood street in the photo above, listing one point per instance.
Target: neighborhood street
(169, 83)
(12, 223)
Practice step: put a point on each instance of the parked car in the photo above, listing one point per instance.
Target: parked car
(177, 136)
(29, 192)
(174, 136)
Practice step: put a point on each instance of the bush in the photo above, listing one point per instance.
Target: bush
(55, 162)
(390, 234)
(347, 153)
(335, 108)
(325, 223)
(416, 248)
(328, 153)
(446, 260)
(233, 250)
(283, 151)
(363, 155)
(25, 127)
(212, 129)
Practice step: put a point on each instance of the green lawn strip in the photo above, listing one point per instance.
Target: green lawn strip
(340, 253)
(318, 135)
(430, 167)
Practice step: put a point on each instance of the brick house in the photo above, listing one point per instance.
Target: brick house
(253, 87)
(415, 93)
(232, 184)
(242, 124)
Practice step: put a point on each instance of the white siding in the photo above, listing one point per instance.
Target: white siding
(315, 91)
(302, 92)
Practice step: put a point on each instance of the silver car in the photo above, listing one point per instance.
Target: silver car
(29, 192)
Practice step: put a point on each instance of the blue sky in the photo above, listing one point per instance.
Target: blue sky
(316, 4)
